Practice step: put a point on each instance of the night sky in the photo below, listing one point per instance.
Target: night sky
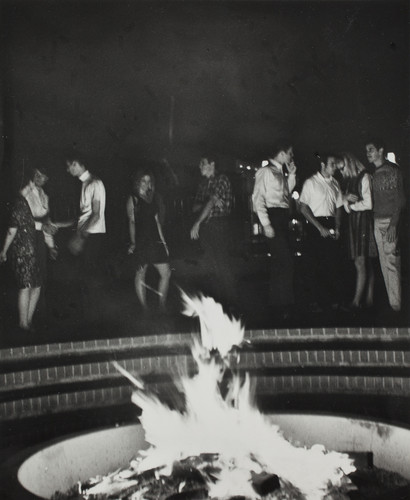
(102, 76)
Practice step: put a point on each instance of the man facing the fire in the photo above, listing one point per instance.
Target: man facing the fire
(271, 196)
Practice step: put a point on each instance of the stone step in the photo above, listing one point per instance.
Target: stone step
(59, 378)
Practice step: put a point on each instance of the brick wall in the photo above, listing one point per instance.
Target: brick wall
(58, 378)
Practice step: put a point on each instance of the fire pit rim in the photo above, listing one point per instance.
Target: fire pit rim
(23, 457)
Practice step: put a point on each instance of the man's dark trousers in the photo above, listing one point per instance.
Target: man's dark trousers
(216, 238)
(281, 289)
(324, 274)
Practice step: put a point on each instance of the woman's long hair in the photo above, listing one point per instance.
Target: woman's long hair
(136, 182)
(352, 165)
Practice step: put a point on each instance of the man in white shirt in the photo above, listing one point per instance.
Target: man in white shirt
(91, 221)
(321, 204)
(89, 239)
(271, 197)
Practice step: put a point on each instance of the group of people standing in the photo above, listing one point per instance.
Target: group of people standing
(30, 232)
(211, 209)
(373, 205)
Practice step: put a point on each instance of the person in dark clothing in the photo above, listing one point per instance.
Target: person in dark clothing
(145, 218)
(213, 206)
(388, 203)
(357, 197)
(20, 244)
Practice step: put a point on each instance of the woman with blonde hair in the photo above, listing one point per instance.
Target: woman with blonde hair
(357, 189)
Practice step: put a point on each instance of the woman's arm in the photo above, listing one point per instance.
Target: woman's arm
(131, 224)
(161, 234)
(366, 202)
(11, 233)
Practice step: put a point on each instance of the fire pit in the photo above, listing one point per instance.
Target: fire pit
(61, 465)
(217, 445)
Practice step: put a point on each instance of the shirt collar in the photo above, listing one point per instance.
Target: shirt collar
(85, 176)
(325, 179)
(274, 163)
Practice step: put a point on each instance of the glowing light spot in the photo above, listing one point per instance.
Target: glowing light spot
(391, 157)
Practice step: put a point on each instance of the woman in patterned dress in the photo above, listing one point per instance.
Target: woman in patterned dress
(358, 204)
(20, 246)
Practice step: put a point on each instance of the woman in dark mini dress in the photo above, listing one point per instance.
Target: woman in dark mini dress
(145, 214)
(20, 245)
(361, 244)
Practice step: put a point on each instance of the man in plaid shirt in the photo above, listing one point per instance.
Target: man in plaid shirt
(213, 204)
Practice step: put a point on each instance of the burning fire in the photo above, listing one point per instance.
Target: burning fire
(229, 428)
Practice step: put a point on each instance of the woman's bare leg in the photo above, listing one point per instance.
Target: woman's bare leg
(140, 289)
(164, 276)
(370, 283)
(23, 306)
(34, 295)
(360, 263)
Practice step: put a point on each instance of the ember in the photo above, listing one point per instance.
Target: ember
(220, 446)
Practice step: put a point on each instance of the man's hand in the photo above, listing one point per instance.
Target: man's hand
(195, 231)
(218, 203)
(76, 243)
(351, 198)
(324, 232)
(391, 234)
(50, 228)
(131, 248)
(291, 167)
(269, 231)
(3, 257)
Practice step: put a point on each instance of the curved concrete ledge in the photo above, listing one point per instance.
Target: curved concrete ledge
(60, 465)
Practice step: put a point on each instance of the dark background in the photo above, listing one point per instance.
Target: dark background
(134, 82)
(101, 76)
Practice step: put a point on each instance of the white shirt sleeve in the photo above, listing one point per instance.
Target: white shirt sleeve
(305, 195)
(366, 203)
(259, 197)
(291, 182)
(339, 199)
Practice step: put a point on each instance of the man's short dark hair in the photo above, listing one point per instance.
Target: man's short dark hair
(79, 157)
(324, 156)
(282, 144)
(377, 142)
(41, 168)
